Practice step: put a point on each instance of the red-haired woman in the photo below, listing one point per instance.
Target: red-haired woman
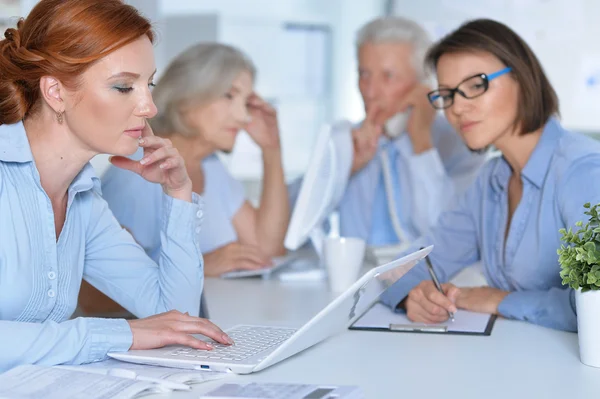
(75, 81)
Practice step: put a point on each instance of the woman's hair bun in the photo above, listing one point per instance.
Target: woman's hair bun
(14, 103)
(62, 39)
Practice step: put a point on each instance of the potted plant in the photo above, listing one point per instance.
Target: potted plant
(580, 269)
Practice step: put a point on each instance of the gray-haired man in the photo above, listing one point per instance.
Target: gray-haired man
(408, 161)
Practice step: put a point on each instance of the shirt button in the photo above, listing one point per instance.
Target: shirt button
(197, 230)
(51, 293)
(51, 275)
(199, 213)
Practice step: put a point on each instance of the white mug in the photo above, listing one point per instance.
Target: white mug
(343, 259)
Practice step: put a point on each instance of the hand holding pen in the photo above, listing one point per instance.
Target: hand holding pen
(431, 303)
(437, 284)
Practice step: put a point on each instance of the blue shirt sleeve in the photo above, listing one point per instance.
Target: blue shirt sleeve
(455, 245)
(137, 205)
(77, 341)
(555, 308)
(117, 266)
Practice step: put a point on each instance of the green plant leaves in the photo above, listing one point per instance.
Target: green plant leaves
(579, 257)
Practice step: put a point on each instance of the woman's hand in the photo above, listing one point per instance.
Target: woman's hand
(425, 304)
(422, 115)
(174, 328)
(234, 256)
(263, 128)
(161, 164)
(365, 139)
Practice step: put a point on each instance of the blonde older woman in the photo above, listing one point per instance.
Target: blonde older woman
(205, 97)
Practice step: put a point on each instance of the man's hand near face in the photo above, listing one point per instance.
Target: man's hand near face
(421, 118)
(365, 139)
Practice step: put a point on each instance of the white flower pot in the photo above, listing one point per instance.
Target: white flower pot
(588, 326)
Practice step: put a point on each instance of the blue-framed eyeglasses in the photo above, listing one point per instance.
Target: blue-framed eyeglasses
(471, 87)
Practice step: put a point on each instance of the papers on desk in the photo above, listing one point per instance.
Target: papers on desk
(163, 375)
(381, 318)
(54, 383)
(109, 379)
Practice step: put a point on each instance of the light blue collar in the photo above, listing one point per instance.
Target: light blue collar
(14, 147)
(538, 164)
(537, 167)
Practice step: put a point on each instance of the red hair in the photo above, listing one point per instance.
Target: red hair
(62, 39)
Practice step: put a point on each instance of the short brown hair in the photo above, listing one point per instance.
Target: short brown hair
(537, 98)
(60, 38)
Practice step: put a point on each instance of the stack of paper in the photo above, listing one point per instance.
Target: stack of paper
(109, 379)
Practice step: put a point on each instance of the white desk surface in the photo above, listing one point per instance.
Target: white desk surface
(519, 360)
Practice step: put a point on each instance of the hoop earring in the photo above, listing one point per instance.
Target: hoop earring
(59, 117)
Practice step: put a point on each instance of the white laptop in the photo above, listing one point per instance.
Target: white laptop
(258, 347)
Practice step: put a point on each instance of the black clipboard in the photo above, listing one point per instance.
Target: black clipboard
(423, 329)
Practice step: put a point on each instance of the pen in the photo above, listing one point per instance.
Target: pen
(436, 282)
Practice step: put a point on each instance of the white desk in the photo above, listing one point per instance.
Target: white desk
(518, 360)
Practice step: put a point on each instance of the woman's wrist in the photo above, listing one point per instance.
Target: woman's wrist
(183, 193)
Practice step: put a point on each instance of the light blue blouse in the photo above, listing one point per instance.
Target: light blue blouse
(40, 277)
(134, 200)
(561, 175)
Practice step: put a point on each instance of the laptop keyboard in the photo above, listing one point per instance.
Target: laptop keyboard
(249, 341)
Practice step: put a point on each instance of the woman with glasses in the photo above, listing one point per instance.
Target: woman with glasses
(494, 92)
